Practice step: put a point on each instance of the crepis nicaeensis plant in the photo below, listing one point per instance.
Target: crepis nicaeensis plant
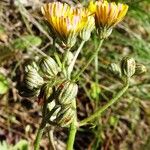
(53, 81)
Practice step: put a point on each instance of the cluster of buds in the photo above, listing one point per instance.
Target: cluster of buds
(36, 75)
(64, 98)
(127, 68)
(42, 80)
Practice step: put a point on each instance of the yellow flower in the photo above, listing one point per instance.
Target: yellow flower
(65, 21)
(107, 15)
(92, 6)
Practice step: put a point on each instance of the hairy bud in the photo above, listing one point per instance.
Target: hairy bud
(49, 67)
(31, 66)
(104, 33)
(33, 80)
(128, 66)
(66, 92)
(85, 33)
(69, 58)
(140, 69)
(65, 116)
(114, 69)
(53, 109)
(46, 92)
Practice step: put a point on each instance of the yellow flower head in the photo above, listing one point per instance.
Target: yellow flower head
(107, 15)
(65, 21)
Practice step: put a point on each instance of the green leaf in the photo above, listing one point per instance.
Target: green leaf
(3, 84)
(26, 42)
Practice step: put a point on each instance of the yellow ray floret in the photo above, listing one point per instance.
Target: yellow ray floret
(107, 14)
(65, 21)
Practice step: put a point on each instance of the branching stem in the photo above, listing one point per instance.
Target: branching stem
(103, 108)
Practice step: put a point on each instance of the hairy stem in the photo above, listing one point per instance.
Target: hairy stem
(41, 128)
(72, 131)
(39, 136)
(103, 108)
(64, 62)
(96, 80)
(72, 134)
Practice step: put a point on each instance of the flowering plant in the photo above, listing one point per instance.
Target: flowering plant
(54, 82)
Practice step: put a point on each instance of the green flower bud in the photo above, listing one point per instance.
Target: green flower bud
(114, 69)
(31, 66)
(51, 105)
(69, 58)
(54, 109)
(85, 33)
(66, 92)
(65, 116)
(128, 66)
(49, 67)
(104, 33)
(33, 80)
(140, 69)
(71, 41)
(46, 91)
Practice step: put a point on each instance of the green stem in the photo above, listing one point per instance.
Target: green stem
(96, 80)
(110, 103)
(89, 61)
(56, 54)
(41, 128)
(64, 62)
(39, 136)
(70, 68)
(72, 132)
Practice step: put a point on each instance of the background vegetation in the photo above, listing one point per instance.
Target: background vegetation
(24, 37)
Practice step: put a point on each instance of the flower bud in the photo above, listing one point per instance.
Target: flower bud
(49, 67)
(31, 66)
(33, 80)
(85, 33)
(54, 109)
(66, 92)
(65, 116)
(104, 33)
(128, 66)
(46, 91)
(69, 58)
(140, 69)
(71, 41)
(114, 69)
